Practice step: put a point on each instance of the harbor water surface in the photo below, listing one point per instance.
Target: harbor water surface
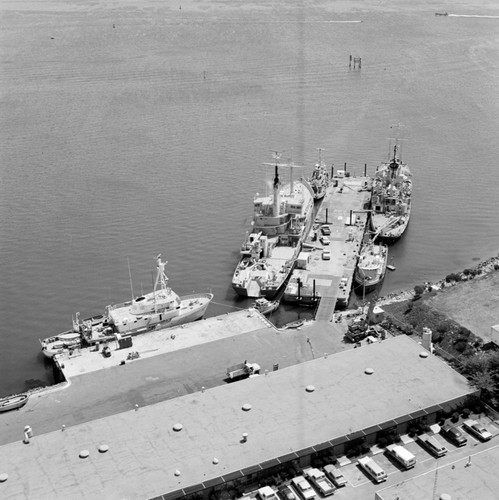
(136, 128)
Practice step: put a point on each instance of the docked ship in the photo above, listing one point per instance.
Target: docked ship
(319, 181)
(371, 266)
(161, 308)
(281, 221)
(391, 199)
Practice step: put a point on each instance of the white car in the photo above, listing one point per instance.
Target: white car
(335, 475)
(477, 430)
(325, 240)
(326, 255)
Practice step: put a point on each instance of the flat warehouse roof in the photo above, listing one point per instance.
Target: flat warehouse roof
(291, 409)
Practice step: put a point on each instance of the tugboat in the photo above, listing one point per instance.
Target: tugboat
(391, 198)
(319, 181)
(281, 222)
(162, 308)
(264, 306)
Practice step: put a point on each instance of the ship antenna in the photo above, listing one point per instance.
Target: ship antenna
(130, 276)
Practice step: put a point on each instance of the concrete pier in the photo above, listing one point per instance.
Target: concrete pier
(343, 211)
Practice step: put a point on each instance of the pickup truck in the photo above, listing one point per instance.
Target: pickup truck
(243, 370)
(322, 484)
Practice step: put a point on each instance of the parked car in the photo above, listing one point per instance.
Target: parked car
(402, 455)
(303, 488)
(287, 493)
(325, 240)
(319, 480)
(266, 493)
(326, 255)
(326, 230)
(373, 469)
(453, 434)
(335, 475)
(477, 429)
(432, 444)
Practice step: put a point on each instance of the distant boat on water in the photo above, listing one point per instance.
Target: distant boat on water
(391, 198)
(281, 222)
(161, 308)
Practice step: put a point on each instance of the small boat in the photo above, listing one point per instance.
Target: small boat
(264, 306)
(391, 199)
(161, 308)
(319, 181)
(281, 222)
(294, 324)
(13, 402)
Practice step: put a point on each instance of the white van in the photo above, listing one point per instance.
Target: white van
(403, 456)
(433, 445)
(373, 469)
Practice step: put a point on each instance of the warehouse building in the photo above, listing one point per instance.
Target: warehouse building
(228, 438)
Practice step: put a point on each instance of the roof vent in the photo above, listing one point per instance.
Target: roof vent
(423, 354)
(177, 472)
(103, 448)
(84, 453)
(178, 427)
(368, 371)
(246, 407)
(3, 477)
(215, 461)
(310, 388)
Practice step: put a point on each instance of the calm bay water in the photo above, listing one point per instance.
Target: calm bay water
(148, 137)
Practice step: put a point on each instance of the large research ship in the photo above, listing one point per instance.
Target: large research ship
(391, 198)
(161, 308)
(281, 222)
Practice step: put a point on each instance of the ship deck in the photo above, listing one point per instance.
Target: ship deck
(334, 277)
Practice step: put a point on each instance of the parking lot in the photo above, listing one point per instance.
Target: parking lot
(360, 485)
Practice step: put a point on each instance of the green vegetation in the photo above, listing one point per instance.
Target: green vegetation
(483, 372)
(458, 345)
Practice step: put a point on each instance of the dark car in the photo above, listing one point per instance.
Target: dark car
(454, 435)
(286, 492)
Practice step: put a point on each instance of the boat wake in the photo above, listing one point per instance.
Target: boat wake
(473, 15)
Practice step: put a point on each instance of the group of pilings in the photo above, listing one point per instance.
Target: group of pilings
(357, 62)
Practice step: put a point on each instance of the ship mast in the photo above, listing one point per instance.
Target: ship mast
(160, 278)
(277, 182)
(277, 188)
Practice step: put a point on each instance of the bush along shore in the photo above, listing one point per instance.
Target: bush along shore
(408, 312)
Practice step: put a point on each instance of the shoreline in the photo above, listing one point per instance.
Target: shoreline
(481, 269)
